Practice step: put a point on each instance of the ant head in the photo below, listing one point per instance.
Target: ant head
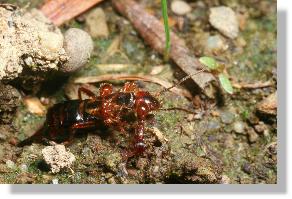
(148, 99)
(105, 90)
(145, 103)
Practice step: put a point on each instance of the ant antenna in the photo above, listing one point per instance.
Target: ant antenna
(180, 81)
(177, 108)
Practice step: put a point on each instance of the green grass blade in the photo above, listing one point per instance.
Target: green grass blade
(166, 29)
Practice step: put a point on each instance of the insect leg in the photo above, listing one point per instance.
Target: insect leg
(139, 144)
(83, 125)
(89, 93)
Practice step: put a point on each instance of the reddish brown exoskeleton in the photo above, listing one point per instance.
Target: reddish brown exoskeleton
(109, 109)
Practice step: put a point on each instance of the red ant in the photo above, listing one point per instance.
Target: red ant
(109, 109)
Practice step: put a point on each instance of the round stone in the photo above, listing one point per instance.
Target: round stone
(78, 46)
(180, 7)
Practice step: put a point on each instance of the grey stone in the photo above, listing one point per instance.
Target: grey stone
(224, 19)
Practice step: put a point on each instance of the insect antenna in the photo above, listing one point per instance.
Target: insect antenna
(179, 82)
(177, 109)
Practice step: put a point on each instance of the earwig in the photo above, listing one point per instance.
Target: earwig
(109, 109)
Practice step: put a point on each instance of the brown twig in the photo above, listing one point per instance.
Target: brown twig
(152, 31)
(252, 85)
(163, 83)
(60, 11)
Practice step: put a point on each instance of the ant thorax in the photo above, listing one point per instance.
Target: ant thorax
(125, 99)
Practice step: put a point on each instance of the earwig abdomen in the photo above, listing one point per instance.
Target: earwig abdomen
(69, 116)
(64, 119)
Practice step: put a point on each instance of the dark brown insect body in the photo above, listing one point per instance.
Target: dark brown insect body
(109, 110)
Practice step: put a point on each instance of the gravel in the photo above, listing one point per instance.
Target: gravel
(224, 19)
(96, 24)
(10, 164)
(238, 127)
(226, 117)
(252, 135)
(180, 7)
(215, 45)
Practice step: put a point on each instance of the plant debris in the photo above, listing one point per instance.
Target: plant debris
(101, 78)
(152, 30)
(61, 11)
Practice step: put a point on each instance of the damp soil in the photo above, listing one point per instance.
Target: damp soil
(222, 143)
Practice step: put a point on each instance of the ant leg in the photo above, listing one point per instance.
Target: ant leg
(74, 128)
(139, 144)
(89, 93)
(130, 87)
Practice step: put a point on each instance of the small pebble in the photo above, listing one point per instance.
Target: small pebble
(96, 24)
(226, 117)
(213, 125)
(225, 179)
(2, 136)
(215, 44)
(246, 167)
(224, 19)
(111, 180)
(55, 181)
(10, 164)
(252, 135)
(238, 127)
(260, 128)
(155, 169)
(86, 151)
(241, 42)
(229, 141)
(180, 7)
(23, 168)
(132, 172)
(156, 70)
(212, 138)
